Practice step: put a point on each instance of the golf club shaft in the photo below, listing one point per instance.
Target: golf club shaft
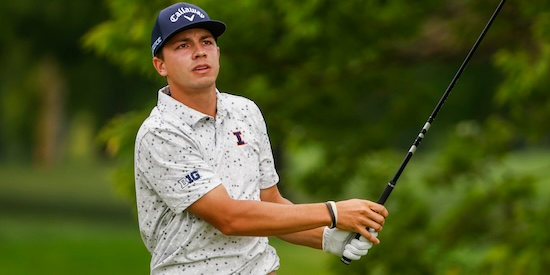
(391, 184)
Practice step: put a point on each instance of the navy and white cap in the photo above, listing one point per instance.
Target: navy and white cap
(179, 17)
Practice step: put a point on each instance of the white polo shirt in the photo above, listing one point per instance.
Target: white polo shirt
(182, 154)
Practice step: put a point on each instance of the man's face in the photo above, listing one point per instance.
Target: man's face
(191, 60)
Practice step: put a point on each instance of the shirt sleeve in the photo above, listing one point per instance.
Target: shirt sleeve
(173, 167)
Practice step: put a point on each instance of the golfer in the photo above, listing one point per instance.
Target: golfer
(206, 185)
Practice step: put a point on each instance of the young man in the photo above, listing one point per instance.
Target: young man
(205, 179)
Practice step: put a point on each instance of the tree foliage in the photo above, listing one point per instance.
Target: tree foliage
(345, 86)
(49, 81)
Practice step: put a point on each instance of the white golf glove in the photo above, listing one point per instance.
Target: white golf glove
(337, 242)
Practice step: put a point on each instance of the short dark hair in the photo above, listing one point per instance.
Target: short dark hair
(159, 54)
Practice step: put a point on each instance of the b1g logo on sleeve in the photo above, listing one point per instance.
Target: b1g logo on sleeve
(189, 178)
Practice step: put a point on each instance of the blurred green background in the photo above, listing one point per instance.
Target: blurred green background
(345, 86)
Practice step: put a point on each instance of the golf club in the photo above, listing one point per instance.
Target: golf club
(391, 184)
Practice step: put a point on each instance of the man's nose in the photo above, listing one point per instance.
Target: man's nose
(200, 53)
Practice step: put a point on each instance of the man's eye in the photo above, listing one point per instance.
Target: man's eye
(207, 42)
(182, 46)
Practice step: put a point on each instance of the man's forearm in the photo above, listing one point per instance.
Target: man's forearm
(311, 238)
(253, 218)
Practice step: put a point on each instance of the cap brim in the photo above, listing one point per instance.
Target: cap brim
(216, 28)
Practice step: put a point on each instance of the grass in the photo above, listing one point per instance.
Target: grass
(69, 220)
(57, 245)
(66, 220)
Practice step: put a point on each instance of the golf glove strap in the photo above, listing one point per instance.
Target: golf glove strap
(340, 242)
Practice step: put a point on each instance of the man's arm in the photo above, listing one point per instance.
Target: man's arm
(332, 241)
(257, 218)
(311, 238)
(271, 218)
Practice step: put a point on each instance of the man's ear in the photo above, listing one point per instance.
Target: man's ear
(159, 66)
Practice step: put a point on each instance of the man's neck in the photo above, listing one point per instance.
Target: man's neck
(203, 101)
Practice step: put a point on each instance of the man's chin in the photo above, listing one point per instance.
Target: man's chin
(204, 85)
(205, 82)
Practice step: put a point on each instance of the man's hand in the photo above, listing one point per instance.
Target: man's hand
(356, 215)
(340, 242)
(358, 248)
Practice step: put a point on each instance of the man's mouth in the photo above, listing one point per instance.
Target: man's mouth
(201, 67)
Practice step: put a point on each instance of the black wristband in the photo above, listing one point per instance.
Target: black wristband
(331, 211)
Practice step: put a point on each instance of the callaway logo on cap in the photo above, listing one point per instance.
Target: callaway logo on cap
(179, 17)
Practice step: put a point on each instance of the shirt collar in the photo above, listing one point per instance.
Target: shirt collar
(168, 105)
